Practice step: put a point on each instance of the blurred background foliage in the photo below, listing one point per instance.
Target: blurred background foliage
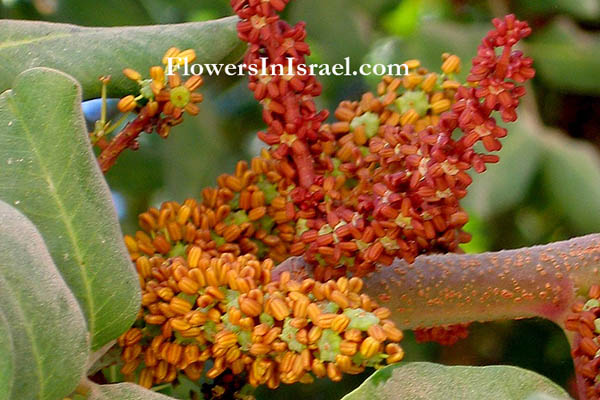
(546, 187)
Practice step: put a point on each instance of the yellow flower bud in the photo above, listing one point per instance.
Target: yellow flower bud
(127, 104)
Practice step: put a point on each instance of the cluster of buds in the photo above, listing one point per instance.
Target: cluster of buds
(585, 323)
(164, 97)
(198, 306)
(494, 86)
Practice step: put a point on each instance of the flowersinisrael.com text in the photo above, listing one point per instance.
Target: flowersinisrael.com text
(184, 68)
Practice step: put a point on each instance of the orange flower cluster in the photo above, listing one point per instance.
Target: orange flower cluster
(249, 212)
(585, 322)
(199, 304)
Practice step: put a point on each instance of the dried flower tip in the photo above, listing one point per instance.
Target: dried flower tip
(132, 74)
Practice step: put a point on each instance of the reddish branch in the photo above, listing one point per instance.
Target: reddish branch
(125, 139)
(540, 281)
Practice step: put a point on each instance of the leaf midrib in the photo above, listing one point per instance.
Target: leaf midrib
(16, 43)
(67, 222)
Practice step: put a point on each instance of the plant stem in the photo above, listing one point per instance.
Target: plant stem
(123, 140)
(304, 163)
(539, 281)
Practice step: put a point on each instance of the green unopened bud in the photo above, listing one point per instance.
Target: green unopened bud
(361, 245)
(269, 190)
(369, 120)
(360, 319)
(244, 339)
(403, 222)
(591, 303)
(231, 297)
(210, 329)
(178, 250)
(325, 229)
(329, 345)
(219, 240)
(288, 335)
(389, 244)
(413, 99)
(146, 88)
(267, 223)
(329, 307)
(190, 298)
(266, 319)
(301, 226)
(228, 325)
(372, 361)
(237, 218)
(336, 165)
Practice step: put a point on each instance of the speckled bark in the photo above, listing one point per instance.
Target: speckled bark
(453, 288)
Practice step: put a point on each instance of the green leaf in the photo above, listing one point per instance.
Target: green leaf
(566, 58)
(48, 172)
(571, 172)
(404, 19)
(320, 389)
(587, 10)
(505, 184)
(334, 19)
(43, 336)
(130, 12)
(195, 155)
(7, 361)
(124, 391)
(87, 53)
(428, 381)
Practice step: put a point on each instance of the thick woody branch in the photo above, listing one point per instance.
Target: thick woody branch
(539, 281)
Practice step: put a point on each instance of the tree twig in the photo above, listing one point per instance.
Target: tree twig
(124, 139)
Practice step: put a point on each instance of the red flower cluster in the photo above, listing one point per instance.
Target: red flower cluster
(584, 322)
(495, 87)
(287, 98)
(445, 335)
(386, 180)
